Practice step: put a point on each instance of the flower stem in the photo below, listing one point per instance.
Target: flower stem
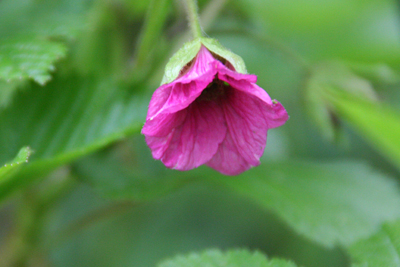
(193, 17)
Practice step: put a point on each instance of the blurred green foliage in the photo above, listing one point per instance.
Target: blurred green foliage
(75, 81)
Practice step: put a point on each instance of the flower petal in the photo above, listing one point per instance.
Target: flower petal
(276, 115)
(160, 96)
(248, 119)
(179, 94)
(194, 141)
(228, 160)
(200, 66)
(244, 84)
(183, 94)
(224, 71)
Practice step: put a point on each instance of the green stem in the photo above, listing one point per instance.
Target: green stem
(193, 17)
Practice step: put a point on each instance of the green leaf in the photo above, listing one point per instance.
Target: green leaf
(380, 250)
(28, 49)
(27, 58)
(377, 123)
(8, 169)
(331, 203)
(215, 47)
(7, 91)
(180, 59)
(326, 76)
(232, 258)
(331, 29)
(65, 120)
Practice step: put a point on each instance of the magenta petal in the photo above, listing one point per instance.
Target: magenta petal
(160, 96)
(248, 120)
(163, 124)
(225, 72)
(200, 66)
(276, 115)
(246, 123)
(194, 141)
(228, 160)
(197, 119)
(183, 95)
(246, 86)
(179, 94)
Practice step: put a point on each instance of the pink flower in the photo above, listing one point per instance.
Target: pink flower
(211, 115)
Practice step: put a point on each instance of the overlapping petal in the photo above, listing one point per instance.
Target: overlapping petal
(245, 116)
(226, 128)
(192, 136)
(179, 94)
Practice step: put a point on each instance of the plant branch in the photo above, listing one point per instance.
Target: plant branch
(193, 17)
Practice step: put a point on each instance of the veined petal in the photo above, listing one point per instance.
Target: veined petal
(179, 94)
(224, 71)
(248, 119)
(276, 115)
(199, 67)
(228, 160)
(194, 141)
(183, 94)
(163, 124)
(245, 84)
(244, 115)
(160, 96)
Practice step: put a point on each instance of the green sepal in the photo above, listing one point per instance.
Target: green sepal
(189, 51)
(215, 47)
(180, 59)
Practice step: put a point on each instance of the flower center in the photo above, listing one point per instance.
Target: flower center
(214, 91)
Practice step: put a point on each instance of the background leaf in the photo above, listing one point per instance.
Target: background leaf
(67, 119)
(331, 203)
(30, 45)
(382, 249)
(232, 258)
(29, 59)
(378, 124)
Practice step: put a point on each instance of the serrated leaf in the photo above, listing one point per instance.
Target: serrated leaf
(180, 59)
(65, 120)
(232, 258)
(27, 50)
(11, 167)
(378, 124)
(27, 58)
(215, 47)
(380, 250)
(331, 203)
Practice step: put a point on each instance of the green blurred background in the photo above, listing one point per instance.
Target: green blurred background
(76, 77)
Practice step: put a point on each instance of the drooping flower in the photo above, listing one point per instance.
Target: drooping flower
(211, 114)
